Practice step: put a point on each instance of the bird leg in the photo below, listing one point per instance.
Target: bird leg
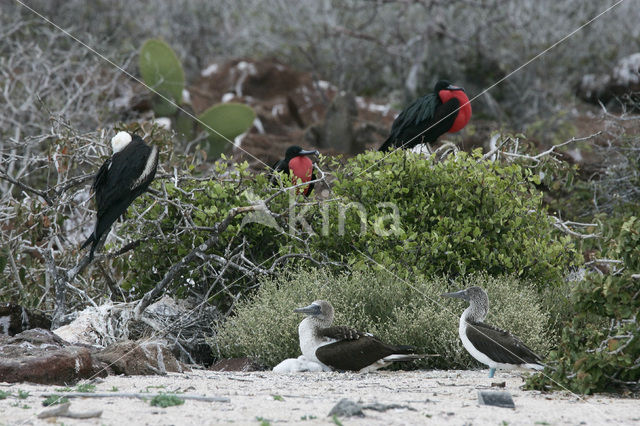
(491, 372)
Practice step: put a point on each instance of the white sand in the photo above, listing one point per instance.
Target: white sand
(438, 397)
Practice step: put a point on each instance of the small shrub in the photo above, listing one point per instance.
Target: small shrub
(266, 328)
(166, 400)
(54, 400)
(599, 346)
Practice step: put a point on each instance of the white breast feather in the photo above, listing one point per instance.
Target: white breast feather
(309, 343)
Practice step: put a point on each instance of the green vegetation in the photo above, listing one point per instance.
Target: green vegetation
(86, 388)
(599, 346)
(54, 400)
(23, 394)
(224, 122)
(161, 71)
(398, 311)
(166, 400)
(458, 216)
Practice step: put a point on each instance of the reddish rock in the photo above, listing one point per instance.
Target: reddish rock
(237, 364)
(39, 356)
(137, 358)
(15, 319)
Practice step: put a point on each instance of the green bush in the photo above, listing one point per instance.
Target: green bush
(169, 232)
(600, 345)
(400, 312)
(458, 216)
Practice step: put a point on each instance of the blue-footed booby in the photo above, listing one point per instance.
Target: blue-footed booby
(343, 348)
(119, 181)
(491, 346)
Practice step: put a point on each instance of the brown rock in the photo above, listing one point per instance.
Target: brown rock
(137, 358)
(39, 356)
(237, 364)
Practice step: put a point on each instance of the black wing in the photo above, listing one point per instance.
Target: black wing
(100, 180)
(340, 333)
(426, 119)
(114, 188)
(357, 354)
(115, 185)
(500, 345)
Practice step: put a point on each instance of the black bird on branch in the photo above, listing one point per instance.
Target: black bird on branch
(297, 162)
(446, 109)
(120, 180)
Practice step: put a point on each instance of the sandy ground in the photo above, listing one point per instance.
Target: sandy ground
(436, 397)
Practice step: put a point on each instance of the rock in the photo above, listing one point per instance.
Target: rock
(346, 408)
(15, 319)
(298, 365)
(496, 398)
(237, 364)
(40, 356)
(339, 120)
(137, 358)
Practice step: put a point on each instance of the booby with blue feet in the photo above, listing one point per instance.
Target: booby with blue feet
(492, 346)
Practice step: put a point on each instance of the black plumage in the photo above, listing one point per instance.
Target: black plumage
(119, 181)
(356, 354)
(425, 120)
(500, 345)
(344, 348)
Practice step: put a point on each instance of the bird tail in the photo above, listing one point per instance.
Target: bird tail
(406, 357)
(90, 240)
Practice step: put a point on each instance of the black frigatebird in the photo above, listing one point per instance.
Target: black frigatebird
(491, 346)
(343, 348)
(296, 161)
(447, 109)
(119, 181)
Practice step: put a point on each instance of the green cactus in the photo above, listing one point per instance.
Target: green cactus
(161, 70)
(185, 125)
(224, 122)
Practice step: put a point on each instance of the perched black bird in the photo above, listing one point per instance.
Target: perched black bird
(343, 348)
(119, 181)
(491, 346)
(447, 109)
(296, 161)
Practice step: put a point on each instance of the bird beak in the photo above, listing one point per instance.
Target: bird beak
(462, 294)
(309, 310)
(304, 152)
(452, 87)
